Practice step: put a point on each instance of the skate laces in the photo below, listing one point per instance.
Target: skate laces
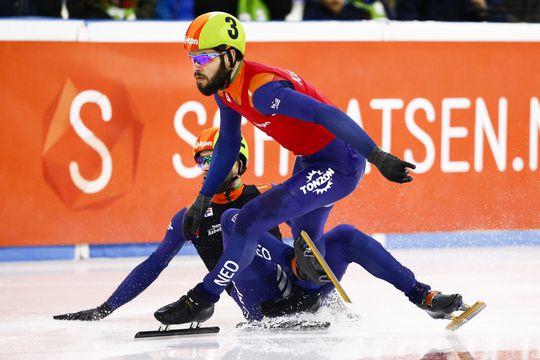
(305, 265)
(188, 301)
(308, 252)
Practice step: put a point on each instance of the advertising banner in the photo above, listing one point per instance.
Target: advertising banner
(95, 138)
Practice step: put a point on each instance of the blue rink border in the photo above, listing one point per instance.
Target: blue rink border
(463, 239)
(69, 252)
(390, 241)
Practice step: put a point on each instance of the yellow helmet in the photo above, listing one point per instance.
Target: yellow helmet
(213, 29)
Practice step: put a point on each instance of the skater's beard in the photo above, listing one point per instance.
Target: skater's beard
(217, 82)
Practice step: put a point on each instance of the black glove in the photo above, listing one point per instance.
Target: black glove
(94, 314)
(193, 215)
(390, 166)
(297, 302)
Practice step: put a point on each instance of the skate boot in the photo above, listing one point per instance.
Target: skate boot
(435, 303)
(305, 264)
(298, 302)
(190, 308)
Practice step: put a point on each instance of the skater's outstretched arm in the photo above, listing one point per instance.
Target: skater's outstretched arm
(303, 107)
(139, 278)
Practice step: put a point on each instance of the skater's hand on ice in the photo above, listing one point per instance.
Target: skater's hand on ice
(94, 314)
(193, 215)
(390, 166)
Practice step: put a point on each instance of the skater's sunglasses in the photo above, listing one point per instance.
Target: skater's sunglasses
(203, 160)
(206, 58)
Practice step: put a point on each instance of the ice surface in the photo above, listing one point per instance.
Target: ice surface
(389, 327)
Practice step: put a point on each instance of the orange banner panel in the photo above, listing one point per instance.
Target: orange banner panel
(95, 137)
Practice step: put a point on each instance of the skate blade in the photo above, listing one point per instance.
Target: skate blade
(165, 331)
(467, 315)
(325, 266)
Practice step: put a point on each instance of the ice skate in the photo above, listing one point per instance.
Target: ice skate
(306, 250)
(435, 303)
(186, 310)
(307, 266)
(441, 306)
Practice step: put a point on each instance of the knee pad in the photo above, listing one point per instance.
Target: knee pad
(354, 237)
(228, 220)
(177, 219)
(340, 233)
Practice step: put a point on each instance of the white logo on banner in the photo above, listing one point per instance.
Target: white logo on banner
(96, 185)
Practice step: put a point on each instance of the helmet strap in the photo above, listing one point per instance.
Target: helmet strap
(232, 62)
(229, 186)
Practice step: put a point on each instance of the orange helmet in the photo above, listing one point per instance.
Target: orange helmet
(207, 141)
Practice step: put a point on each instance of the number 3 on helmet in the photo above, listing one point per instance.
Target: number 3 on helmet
(214, 29)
